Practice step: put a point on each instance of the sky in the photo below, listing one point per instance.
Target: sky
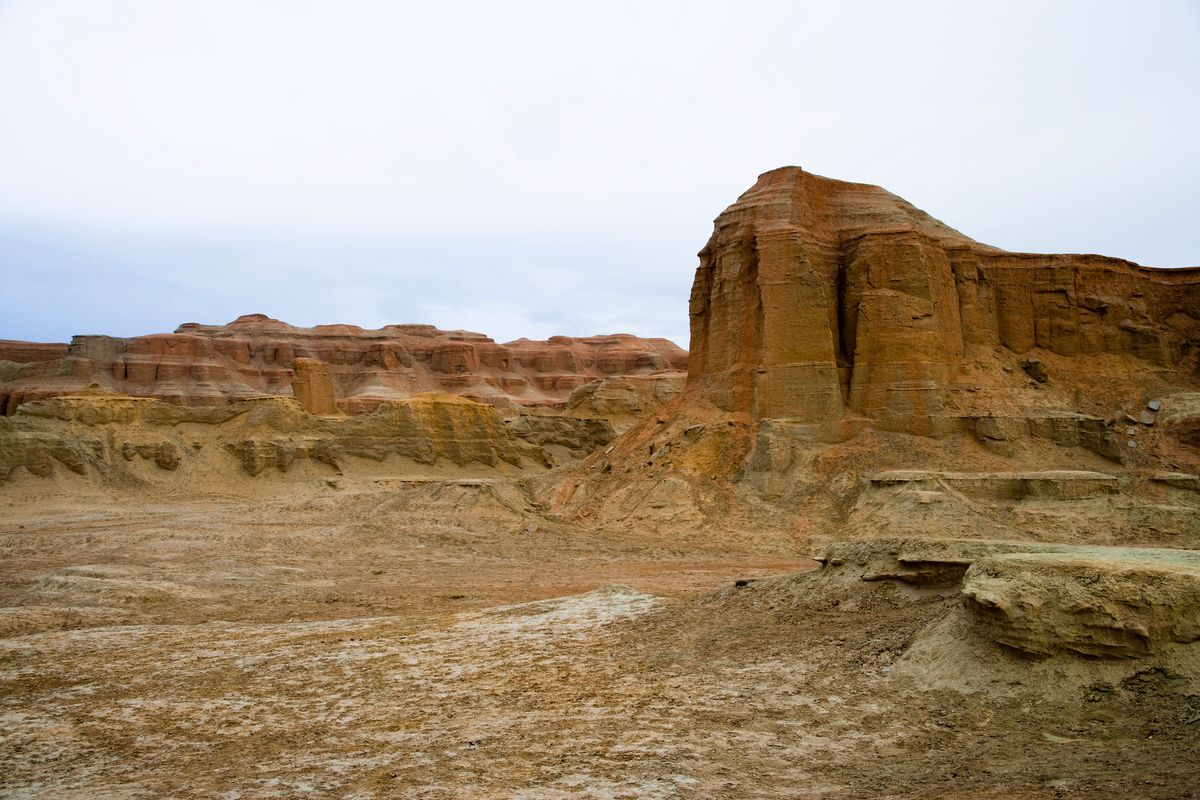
(542, 168)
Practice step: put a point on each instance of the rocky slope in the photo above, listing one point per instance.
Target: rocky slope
(839, 333)
(125, 441)
(256, 356)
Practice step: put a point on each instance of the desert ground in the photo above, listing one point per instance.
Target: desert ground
(441, 638)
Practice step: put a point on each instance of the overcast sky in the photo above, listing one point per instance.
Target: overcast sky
(530, 169)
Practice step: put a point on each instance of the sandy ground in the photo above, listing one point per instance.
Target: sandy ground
(392, 639)
(373, 547)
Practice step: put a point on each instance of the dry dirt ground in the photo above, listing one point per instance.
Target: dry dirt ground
(401, 638)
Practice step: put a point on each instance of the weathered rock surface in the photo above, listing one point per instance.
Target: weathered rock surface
(932, 562)
(840, 332)
(1000, 434)
(1055, 484)
(312, 386)
(1101, 603)
(625, 399)
(31, 352)
(257, 356)
(1044, 601)
(112, 437)
(576, 436)
(1180, 417)
(838, 304)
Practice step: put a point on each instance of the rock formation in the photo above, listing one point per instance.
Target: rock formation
(1103, 603)
(256, 356)
(312, 386)
(115, 438)
(838, 332)
(624, 399)
(854, 363)
(1078, 613)
(838, 304)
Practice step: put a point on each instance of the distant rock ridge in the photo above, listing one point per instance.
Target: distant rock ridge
(256, 356)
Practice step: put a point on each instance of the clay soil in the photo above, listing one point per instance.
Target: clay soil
(442, 639)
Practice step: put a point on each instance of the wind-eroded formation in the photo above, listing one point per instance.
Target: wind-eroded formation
(841, 305)
(840, 334)
(256, 356)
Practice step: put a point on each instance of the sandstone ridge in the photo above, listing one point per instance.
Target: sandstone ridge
(256, 356)
(119, 441)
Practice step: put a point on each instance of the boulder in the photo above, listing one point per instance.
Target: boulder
(1101, 602)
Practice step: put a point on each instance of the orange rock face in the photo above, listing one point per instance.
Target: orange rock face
(256, 356)
(839, 304)
(313, 387)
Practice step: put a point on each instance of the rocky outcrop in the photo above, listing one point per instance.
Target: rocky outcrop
(625, 399)
(1025, 615)
(1099, 603)
(1054, 484)
(256, 356)
(116, 439)
(1039, 599)
(1000, 434)
(838, 332)
(31, 352)
(576, 437)
(839, 305)
(312, 386)
(930, 563)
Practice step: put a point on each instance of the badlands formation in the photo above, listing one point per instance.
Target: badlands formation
(922, 522)
(256, 356)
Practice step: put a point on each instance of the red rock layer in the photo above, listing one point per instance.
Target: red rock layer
(256, 356)
(834, 303)
(30, 352)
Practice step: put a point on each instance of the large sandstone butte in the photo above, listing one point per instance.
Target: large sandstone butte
(839, 304)
(857, 365)
(256, 356)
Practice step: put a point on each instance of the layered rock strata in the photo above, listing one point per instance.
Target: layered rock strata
(313, 387)
(257, 356)
(1098, 603)
(838, 333)
(1041, 599)
(624, 399)
(838, 304)
(121, 439)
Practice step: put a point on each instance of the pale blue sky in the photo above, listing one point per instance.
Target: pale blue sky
(527, 169)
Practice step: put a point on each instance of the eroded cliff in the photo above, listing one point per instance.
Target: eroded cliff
(839, 304)
(123, 441)
(858, 365)
(256, 356)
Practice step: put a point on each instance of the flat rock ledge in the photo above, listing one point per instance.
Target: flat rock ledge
(1034, 613)
(1101, 602)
